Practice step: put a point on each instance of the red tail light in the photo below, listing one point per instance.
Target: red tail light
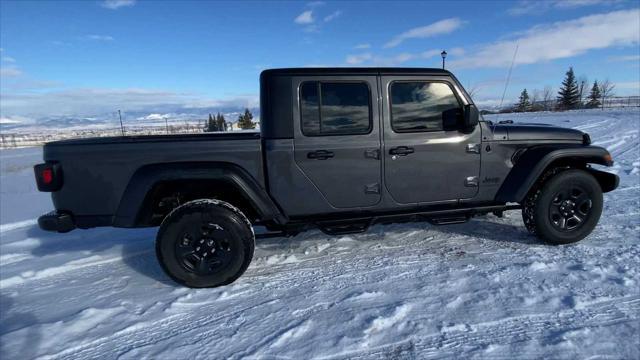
(48, 176)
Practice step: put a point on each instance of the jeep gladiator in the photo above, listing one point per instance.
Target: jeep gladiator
(338, 149)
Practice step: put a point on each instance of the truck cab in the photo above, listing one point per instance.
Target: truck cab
(368, 140)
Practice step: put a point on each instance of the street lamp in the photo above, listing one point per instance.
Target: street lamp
(444, 55)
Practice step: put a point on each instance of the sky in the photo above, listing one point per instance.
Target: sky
(89, 57)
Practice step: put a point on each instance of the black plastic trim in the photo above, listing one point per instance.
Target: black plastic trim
(533, 162)
(148, 176)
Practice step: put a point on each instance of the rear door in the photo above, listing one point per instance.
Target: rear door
(337, 138)
(423, 162)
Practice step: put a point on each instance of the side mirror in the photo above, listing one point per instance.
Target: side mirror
(471, 117)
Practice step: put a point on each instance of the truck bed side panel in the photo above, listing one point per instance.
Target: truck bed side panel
(96, 174)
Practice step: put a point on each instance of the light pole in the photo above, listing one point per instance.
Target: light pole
(444, 55)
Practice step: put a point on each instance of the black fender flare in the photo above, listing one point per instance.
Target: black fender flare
(146, 177)
(534, 161)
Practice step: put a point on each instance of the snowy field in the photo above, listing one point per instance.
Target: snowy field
(484, 289)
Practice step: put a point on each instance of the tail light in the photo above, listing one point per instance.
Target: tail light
(48, 176)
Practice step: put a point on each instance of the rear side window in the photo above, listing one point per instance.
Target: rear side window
(418, 106)
(339, 108)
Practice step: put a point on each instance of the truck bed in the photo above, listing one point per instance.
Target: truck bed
(96, 171)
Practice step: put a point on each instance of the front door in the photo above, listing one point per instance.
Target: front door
(424, 163)
(337, 138)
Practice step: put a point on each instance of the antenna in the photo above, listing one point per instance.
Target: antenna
(506, 84)
(121, 126)
(166, 124)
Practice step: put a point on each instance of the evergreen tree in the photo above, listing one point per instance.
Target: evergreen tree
(245, 120)
(594, 96)
(211, 125)
(523, 102)
(220, 120)
(569, 94)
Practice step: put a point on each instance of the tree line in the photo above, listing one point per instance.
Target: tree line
(219, 123)
(572, 95)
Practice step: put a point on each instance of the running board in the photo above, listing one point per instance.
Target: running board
(344, 227)
(448, 220)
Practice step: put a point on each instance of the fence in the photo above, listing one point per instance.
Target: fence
(22, 139)
(621, 101)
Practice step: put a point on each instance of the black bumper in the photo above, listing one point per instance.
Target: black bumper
(56, 221)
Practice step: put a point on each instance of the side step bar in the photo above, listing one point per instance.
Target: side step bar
(448, 220)
(344, 227)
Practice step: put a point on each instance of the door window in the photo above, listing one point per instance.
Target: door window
(339, 108)
(418, 106)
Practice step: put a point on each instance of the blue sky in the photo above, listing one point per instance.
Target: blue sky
(84, 57)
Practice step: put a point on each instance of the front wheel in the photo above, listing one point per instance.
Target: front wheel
(566, 208)
(205, 243)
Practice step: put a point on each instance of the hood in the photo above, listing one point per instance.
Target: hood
(523, 131)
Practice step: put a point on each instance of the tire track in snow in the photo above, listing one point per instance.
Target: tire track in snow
(17, 225)
(55, 271)
(152, 332)
(509, 330)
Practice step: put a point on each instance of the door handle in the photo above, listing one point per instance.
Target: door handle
(320, 155)
(401, 151)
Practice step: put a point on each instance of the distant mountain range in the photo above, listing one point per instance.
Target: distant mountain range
(135, 119)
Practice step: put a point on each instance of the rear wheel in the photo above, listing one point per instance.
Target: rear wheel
(565, 208)
(205, 243)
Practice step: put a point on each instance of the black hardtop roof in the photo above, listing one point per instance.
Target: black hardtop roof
(354, 70)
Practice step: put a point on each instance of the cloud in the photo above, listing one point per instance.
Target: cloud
(441, 27)
(632, 87)
(334, 15)
(526, 7)
(8, 59)
(10, 72)
(394, 60)
(456, 51)
(313, 4)
(559, 40)
(305, 18)
(358, 59)
(92, 101)
(116, 4)
(625, 58)
(100, 37)
(362, 46)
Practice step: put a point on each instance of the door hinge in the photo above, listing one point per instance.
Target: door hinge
(372, 154)
(471, 181)
(372, 189)
(473, 148)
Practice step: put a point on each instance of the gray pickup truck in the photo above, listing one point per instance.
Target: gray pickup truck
(339, 149)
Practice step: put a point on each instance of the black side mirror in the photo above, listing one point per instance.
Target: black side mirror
(471, 117)
(452, 119)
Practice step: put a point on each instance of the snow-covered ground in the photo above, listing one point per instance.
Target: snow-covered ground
(485, 289)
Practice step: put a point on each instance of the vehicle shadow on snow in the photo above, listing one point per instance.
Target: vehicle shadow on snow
(137, 247)
(15, 321)
(483, 228)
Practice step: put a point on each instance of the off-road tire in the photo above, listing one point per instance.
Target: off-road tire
(544, 207)
(528, 206)
(216, 237)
